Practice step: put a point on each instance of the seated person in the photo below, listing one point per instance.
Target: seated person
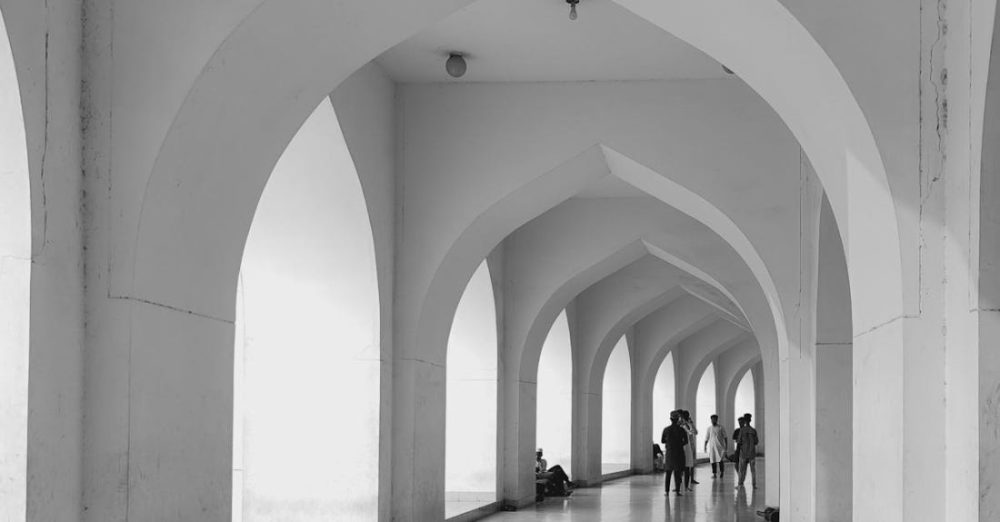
(657, 457)
(550, 482)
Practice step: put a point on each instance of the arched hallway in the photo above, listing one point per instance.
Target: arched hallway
(415, 261)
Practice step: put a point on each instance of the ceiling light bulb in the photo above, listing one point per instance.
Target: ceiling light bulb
(455, 65)
(572, 12)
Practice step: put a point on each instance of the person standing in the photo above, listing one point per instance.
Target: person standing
(674, 439)
(715, 446)
(692, 433)
(747, 445)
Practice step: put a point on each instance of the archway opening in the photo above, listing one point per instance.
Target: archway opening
(15, 274)
(471, 408)
(664, 395)
(307, 365)
(705, 405)
(555, 396)
(616, 411)
(744, 401)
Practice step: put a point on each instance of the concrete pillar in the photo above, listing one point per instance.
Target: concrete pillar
(833, 431)
(834, 387)
(760, 411)
(587, 408)
(642, 410)
(518, 422)
(984, 316)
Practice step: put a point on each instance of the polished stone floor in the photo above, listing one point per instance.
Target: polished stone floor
(641, 498)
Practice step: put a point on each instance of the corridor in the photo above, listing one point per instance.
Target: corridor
(640, 497)
(396, 261)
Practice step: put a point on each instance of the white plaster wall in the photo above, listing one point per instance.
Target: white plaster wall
(366, 107)
(834, 374)
(985, 312)
(45, 40)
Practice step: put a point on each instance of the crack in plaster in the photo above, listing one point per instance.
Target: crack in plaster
(45, 136)
(173, 308)
(885, 323)
(422, 361)
(937, 77)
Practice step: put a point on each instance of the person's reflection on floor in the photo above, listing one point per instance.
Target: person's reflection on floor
(741, 499)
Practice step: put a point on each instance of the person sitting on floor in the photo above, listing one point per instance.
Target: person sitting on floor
(657, 457)
(550, 482)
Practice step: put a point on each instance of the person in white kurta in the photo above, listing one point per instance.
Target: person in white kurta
(715, 446)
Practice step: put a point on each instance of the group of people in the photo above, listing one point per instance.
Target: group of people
(680, 438)
(678, 455)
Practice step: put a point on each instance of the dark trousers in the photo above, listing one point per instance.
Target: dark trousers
(558, 473)
(677, 479)
(557, 479)
(743, 470)
(721, 467)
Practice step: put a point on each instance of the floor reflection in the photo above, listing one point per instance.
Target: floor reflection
(641, 498)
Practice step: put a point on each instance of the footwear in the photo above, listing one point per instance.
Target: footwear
(678, 493)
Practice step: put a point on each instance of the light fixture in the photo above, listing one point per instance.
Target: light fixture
(572, 8)
(455, 65)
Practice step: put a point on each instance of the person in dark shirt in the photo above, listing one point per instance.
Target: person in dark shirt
(748, 452)
(674, 439)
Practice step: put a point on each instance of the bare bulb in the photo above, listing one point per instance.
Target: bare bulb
(455, 65)
(572, 12)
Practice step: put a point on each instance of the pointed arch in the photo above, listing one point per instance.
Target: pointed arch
(15, 289)
(308, 323)
(616, 421)
(555, 395)
(471, 395)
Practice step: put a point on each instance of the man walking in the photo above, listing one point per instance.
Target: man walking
(674, 439)
(747, 445)
(715, 446)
